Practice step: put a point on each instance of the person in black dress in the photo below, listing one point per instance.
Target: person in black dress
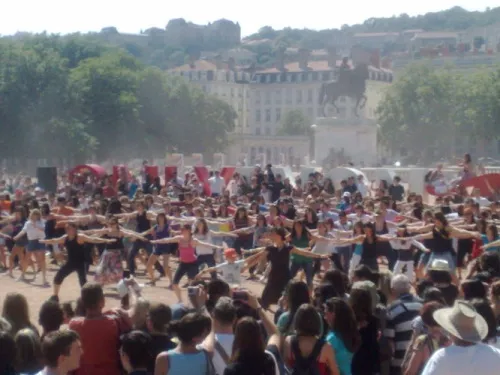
(278, 256)
(76, 261)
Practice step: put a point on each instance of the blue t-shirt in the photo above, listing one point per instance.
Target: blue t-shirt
(485, 240)
(358, 249)
(343, 357)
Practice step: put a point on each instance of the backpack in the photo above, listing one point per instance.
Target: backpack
(308, 365)
(418, 344)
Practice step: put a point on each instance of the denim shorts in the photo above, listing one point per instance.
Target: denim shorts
(35, 245)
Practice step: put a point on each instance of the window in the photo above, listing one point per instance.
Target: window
(278, 96)
(232, 92)
(299, 96)
(257, 115)
(257, 131)
(257, 96)
(289, 96)
(268, 115)
(268, 97)
(310, 95)
(278, 116)
(268, 131)
(310, 112)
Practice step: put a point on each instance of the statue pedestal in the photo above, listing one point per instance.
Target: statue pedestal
(356, 137)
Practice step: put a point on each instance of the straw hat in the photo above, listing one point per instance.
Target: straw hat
(462, 321)
(440, 265)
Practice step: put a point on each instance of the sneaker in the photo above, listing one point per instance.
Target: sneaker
(21, 278)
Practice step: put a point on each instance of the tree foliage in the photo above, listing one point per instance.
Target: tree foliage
(426, 110)
(294, 122)
(74, 97)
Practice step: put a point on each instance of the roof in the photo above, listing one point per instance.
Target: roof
(411, 31)
(435, 35)
(368, 35)
(199, 65)
(312, 66)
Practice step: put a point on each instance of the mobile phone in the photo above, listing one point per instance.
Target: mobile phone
(240, 295)
(193, 290)
(126, 274)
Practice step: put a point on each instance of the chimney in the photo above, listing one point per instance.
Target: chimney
(332, 57)
(280, 59)
(375, 59)
(231, 64)
(303, 58)
(218, 62)
(360, 55)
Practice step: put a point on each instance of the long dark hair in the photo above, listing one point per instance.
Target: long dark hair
(248, 341)
(361, 303)
(344, 323)
(297, 293)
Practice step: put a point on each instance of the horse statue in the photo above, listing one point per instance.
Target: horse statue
(351, 83)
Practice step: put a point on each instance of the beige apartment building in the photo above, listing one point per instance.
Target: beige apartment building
(263, 97)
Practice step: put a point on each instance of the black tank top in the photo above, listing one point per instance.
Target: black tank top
(143, 223)
(76, 251)
(369, 255)
(117, 245)
(442, 241)
(94, 224)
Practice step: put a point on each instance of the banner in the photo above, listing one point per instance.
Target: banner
(202, 174)
(170, 171)
(176, 160)
(197, 160)
(116, 172)
(152, 171)
(219, 161)
(227, 173)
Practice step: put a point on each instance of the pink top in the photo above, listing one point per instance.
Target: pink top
(187, 253)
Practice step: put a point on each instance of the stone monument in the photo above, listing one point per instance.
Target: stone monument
(352, 138)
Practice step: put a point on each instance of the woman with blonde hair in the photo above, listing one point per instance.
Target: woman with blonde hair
(29, 353)
(34, 229)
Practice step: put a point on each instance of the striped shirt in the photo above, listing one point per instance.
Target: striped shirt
(399, 325)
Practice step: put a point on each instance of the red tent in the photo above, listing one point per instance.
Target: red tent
(95, 169)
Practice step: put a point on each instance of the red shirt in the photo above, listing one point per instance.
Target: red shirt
(100, 340)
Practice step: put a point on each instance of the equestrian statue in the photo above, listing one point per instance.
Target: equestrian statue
(351, 83)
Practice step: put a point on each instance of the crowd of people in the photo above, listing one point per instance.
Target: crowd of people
(356, 280)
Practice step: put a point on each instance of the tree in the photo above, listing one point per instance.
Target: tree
(75, 97)
(427, 109)
(294, 122)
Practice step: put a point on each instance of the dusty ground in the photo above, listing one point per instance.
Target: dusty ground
(70, 290)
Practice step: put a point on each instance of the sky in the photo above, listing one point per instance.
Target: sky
(62, 16)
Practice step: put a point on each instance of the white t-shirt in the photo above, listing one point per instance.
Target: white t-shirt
(34, 231)
(231, 272)
(202, 249)
(216, 184)
(477, 359)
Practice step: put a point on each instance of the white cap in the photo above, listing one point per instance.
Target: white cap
(346, 194)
